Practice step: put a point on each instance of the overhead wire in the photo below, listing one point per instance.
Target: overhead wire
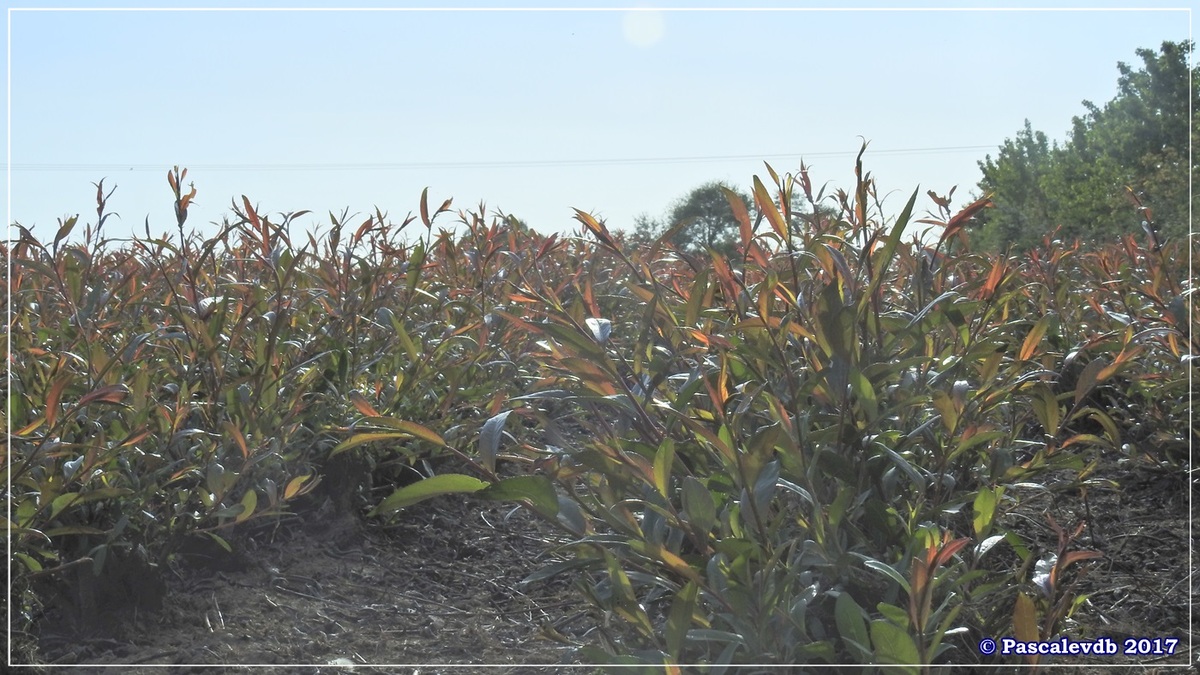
(480, 164)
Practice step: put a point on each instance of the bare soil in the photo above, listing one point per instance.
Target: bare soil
(321, 593)
(441, 591)
(1143, 586)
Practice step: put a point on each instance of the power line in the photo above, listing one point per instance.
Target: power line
(487, 164)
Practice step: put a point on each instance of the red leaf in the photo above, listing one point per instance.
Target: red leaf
(238, 438)
(740, 215)
(949, 550)
(113, 393)
(362, 229)
(994, 278)
(54, 396)
(940, 201)
(256, 223)
(597, 228)
(959, 220)
(362, 405)
(425, 207)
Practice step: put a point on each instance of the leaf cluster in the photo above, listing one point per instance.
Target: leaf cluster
(1136, 145)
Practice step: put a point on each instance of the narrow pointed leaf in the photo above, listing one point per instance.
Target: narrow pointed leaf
(881, 260)
(249, 502)
(1089, 378)
(1034, 338)
(538, 491)
(680, 618)
(766, 206)
(364, 438)
(294, 487)
(361, 404)
(434, 486)
(411, 428)
(489, 439)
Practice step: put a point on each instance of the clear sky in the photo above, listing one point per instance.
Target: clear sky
(533, 112)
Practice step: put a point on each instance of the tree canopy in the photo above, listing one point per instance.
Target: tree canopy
(707, 218)
(1135, 147)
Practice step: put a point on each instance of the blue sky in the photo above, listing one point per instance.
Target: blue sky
(532, 112)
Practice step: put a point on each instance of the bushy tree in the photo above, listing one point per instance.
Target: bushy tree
(707, 219)
(1136, 143)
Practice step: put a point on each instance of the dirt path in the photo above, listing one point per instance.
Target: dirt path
(441, 591)
(442, 587)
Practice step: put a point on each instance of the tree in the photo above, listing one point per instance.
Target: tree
(708, 221)
(1016, 180)
(1136, 142)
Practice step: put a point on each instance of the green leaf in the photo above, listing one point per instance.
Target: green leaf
(582, 343)
(538, 490)
(1046, 409)
(889, 571)
(65, 229)
(434, 486)
(75, 499)
(977, 439)
(948, 295)
(217, 480)
(411, 428)
(893, 645)
(624, 600)
(896, 615)
(294, 486)
(220, 541)
(32, 564)
(914, 476)
(669, 559)
(364, 438)
(1110, 427)
(680, 618)
(249, 503)
(229, 511)
(765, 484)
(61, 502)
(664, 458)
(766, 206)
(555, 569)
(881, 260)
(404, 429)
(416, 259)
(866, 394)
(698, 506)
(696, 297)
(72, 529)
(1034, 338)
(406, 341)
(985, 509)
(852, 627)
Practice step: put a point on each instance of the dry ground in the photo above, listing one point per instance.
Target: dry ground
(318, 594)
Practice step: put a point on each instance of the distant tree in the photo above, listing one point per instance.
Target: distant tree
(708, 221)
(1139, 140)
(1016, 179)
